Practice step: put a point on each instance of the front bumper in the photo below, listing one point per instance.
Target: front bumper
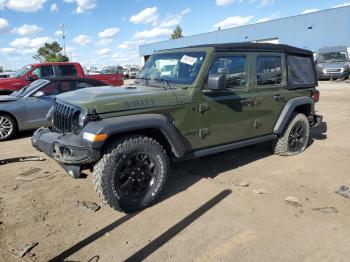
(322, 75)
(69, 150)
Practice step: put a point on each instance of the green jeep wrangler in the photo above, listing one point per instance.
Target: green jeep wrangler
(185, 103)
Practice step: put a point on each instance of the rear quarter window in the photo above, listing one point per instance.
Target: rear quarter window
(68, 70)
(301, 71)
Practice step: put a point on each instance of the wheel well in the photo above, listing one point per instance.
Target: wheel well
(154, 133)
(303, 109)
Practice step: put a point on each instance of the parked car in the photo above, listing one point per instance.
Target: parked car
(112, 70)
(6, 74)
(26, 108)
(333, 62)
(215, 99)
(131, 72)
(29, 73)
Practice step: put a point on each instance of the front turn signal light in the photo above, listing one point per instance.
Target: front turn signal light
(94, 137)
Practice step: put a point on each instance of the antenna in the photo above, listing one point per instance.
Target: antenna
(64, 39)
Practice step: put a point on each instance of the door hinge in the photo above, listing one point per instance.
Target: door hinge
(203, 107)
(203, 132)
(257, 123)
(258, 101)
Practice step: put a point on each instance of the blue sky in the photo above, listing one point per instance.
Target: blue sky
(106, 32)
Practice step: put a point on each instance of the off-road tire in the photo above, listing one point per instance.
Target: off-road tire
(5, 122)
(281, 146)
(114, 157)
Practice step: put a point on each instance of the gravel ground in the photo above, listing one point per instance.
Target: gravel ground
(225, 207)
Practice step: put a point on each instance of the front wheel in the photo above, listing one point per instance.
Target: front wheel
(131, 173)
(8, 127)
(295, 137)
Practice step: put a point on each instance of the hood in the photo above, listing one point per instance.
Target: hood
(8, 98)
(112, 99)
(334, 64)
(6, 83)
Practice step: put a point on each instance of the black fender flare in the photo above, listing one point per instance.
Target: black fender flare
(288, 110)
(123, 124)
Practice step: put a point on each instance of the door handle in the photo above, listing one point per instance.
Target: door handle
(278, 97)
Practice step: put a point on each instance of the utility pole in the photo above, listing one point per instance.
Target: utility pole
(64, 39)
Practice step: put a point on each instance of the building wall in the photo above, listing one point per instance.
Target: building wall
(311, 31)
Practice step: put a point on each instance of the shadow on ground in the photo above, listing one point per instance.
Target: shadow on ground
(184, 175)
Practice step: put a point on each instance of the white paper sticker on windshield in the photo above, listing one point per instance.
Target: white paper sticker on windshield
(189, 60)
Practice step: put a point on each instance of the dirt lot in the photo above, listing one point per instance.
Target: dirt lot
(203, 215)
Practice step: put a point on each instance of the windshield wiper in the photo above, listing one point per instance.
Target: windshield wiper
(166, 82)
(145, 80)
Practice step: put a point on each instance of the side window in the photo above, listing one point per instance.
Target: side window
(82, 84)
(44, 71)
(67, 86)
(300, 71)
(51, 89)
(67, 70)
(269, 70)
(234, 67)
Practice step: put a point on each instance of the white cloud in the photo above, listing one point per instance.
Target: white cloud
(58, 33)
(125, 45)
(342, 5)
(104, 41)
(54, 8)
(174, 19)
(26, 42)
(24, 5)
(82, 40)
(40, 41)
(224, 2)
(3, 25)
(307, 11)
(83, 5)
(186, 11)
(7, 51)
(103, 51)
(20, 42)
(266, 2)
(273, 16)
(109, 32)
(146, 16)
(233, 21)
(153, 33)
(27, 30)
(29, 51)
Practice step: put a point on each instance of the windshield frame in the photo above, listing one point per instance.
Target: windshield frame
(196, 79)
(30, 89)
(22, 71)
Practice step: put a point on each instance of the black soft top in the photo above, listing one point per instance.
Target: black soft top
(259, 47)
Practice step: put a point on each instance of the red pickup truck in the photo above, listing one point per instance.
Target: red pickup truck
(29, 73)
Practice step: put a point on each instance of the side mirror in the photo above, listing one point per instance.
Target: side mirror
(39, 94)
(216, 82)
(32, 77)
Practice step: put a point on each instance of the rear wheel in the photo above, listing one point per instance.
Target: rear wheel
(295, 137)
(8, 127)
(131, 173)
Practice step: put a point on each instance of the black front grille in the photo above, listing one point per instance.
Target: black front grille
(63, 115)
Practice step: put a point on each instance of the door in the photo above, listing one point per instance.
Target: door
(38, 107)
(270, 81)
(225, 114)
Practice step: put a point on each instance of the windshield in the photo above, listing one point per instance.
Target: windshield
(178, 68)
(22, 71)
(332, 57)
(29, 88)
